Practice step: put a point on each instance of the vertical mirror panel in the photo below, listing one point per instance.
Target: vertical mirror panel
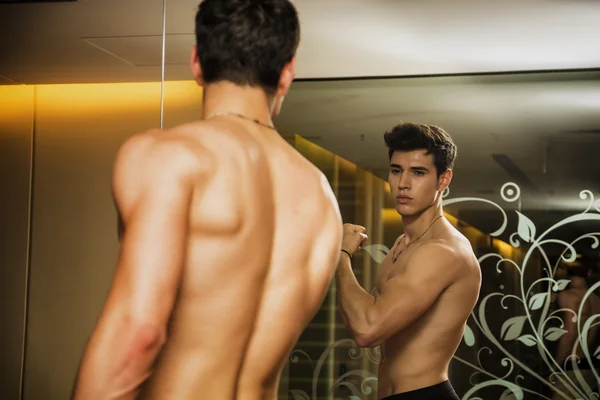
(96, 67)
(16, 140)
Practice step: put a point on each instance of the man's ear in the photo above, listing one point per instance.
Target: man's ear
(196, 67)
(444, 180)
(288, 74)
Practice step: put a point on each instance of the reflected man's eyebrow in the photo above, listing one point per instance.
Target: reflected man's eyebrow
(416, 168)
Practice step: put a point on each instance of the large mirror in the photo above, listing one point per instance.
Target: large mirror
(524, 193)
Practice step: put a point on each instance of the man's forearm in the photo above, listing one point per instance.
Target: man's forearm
(354, 300)
(115, 369)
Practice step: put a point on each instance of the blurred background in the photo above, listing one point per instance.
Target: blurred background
(515, 83)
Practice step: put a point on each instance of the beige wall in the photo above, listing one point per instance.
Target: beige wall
(73, 247)
(74, 237)
(16, 129)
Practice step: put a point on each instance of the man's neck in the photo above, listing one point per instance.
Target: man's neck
(226, 97)
(416, 225)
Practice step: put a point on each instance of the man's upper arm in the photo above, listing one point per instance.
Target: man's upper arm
(156, 222)
(406, 297)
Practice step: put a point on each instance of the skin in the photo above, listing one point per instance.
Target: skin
(424, 298)
(218, 272)
(569, 347)
(571, 299)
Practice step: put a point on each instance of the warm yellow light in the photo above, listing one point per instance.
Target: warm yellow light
(311, 146)
(74, 100)
(16, 103)
(572, 264)
(346, 165)
(390, 216)
(504, 249)
(452, 219)
(182, 93)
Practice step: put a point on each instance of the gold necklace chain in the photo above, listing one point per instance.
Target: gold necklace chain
(240, 116)
(395, 257)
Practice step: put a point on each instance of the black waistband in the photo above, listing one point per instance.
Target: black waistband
(441, 391)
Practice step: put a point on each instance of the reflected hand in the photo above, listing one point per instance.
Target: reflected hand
(354, 238)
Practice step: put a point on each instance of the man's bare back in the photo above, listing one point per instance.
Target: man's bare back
(303, 262)
(228, 249)
(261, 278)
(229, 238)
(437, 333)
(255, 268)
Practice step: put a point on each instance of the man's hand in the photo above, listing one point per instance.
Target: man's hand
(354, 238)
(353, 299)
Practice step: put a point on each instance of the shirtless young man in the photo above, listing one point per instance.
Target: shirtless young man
(429, 281)
(569, 349)
(221, 265)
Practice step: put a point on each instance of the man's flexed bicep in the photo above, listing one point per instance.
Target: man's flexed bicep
(409, 295)
(155, 208)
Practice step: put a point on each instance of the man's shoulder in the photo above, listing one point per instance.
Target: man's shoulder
(439, 251)
(445, 256)
(157, 153)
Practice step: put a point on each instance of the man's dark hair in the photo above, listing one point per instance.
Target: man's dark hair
(408, 137)
(247, 42)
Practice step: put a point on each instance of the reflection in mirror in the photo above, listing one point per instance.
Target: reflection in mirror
(92, 71)
(524, 193)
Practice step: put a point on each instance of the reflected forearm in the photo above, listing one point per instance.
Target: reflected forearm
(353, 299)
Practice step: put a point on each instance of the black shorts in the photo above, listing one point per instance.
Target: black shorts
(441, 391)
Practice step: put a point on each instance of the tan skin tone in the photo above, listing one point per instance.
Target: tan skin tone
(215, 279)
(571, 299)
(569, 346)
(424, 298)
